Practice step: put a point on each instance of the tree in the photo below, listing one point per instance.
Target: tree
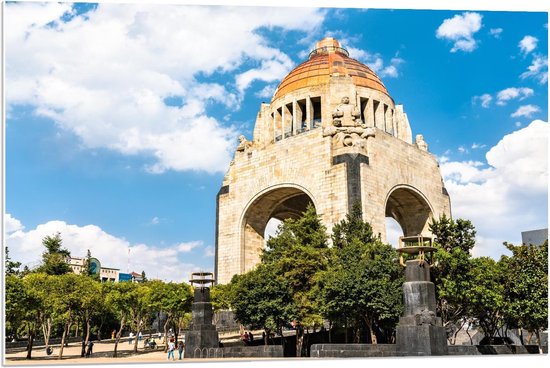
(486, 295)
(221, 296)
(15, 304)
(362, 286)
(451, 275)
(172, 299)
(90, 304)
(297, 253)
(54, 259)
(139, 308)
(41, 288)
(526, 288)
(120, 297)
(67, 303)
(12, 268)
(262, 299)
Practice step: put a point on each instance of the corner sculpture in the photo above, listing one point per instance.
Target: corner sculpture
(202, 334)
(420, 331)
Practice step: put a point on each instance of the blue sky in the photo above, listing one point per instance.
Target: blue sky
(121, 119)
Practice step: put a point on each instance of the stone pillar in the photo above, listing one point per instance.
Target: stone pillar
(420, 331)
(309, 115)
(368, 113)
(202, 333)
(294, 119)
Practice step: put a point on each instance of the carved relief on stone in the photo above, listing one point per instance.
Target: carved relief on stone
(349, 136)
(346, 114)
(421, 143)
(425, 317)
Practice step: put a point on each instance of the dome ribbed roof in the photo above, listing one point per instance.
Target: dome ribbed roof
(328, 59)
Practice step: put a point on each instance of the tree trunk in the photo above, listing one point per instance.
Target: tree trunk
(47, 330)
(66, 330)
(373, 338)
(118, 335)
(30, 342)
(166, 333)
(299, 339)
(330, 332)
(537, 333)
(138, 330)
(86, 339)
(346, 330)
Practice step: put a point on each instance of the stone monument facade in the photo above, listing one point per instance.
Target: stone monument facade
(331, 136)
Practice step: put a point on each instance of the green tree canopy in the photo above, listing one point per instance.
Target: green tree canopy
(54, 259)
(526, 288)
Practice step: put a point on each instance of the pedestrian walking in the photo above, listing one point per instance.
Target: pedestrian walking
(130, 338)
(171, 348)
(113, 334)
(180, 349)
(139, 336)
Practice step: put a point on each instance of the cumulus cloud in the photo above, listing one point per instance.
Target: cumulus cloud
(376, 62)
(460, 29)
(166, 263)
(528, 44)
(512, 93)
(12, 224)
(506, 195)
(495, 32)
(538, 69)
(105, 75)
(526, 111)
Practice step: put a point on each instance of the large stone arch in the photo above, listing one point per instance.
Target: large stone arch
(410, 208)
(281, 202)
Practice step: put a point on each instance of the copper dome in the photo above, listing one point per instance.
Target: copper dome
(326, 60)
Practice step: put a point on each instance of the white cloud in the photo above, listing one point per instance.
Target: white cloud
(528, 44)
(485, 100)
(507, 196)
(393, 232)
(376, 62)
(461, 29)
(538, 69)
(512, 93)
(209, 251)
(105, 76)
(155, 221)
(12, 224)
(462, 149)
(477, 145)
(165, 263)
(267, 92)
(525, 111)
(495, 32)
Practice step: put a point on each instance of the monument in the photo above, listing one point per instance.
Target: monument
(420, 331)
(202, 334)
(331, 136)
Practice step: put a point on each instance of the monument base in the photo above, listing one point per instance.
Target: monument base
(421, 340)
(202, 338)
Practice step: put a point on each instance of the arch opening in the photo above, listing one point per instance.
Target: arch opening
(410, 209)
(270, 208)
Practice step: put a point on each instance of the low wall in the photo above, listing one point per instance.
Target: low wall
(352, 350)
(266, 351)
(494, 349)
(390, 350)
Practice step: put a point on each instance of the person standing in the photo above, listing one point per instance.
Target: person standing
(171, 348)
(180, 349)
(113, 334)
(250, 337)
(90, 348)
(131, 338)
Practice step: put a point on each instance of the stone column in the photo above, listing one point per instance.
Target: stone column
(420, 331)
(294, 119)
(202, 333)
(309, 115)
